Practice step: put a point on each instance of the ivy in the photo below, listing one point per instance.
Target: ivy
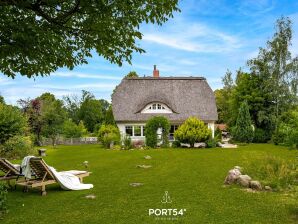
(152, 125)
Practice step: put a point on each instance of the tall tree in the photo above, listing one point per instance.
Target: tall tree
(278, 70)
(40, 36)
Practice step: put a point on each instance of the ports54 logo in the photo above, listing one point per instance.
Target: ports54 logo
(166, 213)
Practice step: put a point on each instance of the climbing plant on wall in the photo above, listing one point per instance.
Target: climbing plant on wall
(152, 125)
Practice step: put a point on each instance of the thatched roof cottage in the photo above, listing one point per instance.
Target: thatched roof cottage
(135, 100)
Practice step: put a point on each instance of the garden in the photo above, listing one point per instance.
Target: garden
(193, 179)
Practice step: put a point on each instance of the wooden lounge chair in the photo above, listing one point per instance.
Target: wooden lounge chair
(9, 170)
(44, 176)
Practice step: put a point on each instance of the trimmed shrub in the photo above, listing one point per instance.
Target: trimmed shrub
(176, 144)
(191, 131)
(211, 143)
(109, 134)
(243, 131)
(17, 147)
(152, 125)
(3, 199)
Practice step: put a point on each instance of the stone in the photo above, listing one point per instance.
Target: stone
(85, 163)
(200, 145)
(268, 188)
(136, 184)
(244, 180)
(147, 157)
(232, 176)
(144, 166)
(256, 185)
(90, 196)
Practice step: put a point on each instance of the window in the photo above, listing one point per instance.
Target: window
(137, 130)
(172, 130)
(156, 107)
(128, 130)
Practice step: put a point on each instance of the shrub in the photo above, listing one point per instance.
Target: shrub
(138, 143)
(12, 122)
(243, 131)
(3, 199)
(176, 144)
(17, 147)
(151, 128)
(72, 130)
(260, 136)
(126, 142)
(191, 131)
(275, 172)
(108, 134)
(211, 143)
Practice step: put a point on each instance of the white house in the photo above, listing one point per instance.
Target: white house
(135, 100)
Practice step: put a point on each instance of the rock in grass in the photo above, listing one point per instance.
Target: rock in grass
(244, 180)
(232, 176)
(90, 196)
(136, 184)
(144, 166)
(147, 157)
(268, 188)
(256, 185)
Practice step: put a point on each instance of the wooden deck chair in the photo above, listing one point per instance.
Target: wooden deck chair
(9, 170)
(44, 176)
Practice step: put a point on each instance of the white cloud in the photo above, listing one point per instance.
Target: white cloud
(86, 75)
(194, 37)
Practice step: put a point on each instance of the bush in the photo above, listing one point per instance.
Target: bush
(138, 144)
(3, 199)
(109, 134)
(191, 131)
(72, 130)
(176, 144)
(12, 122)
(275, 172)
(211, 143)
(151, 128)
(126, 142)
(261, 136)
(17, 147)
(243, 131)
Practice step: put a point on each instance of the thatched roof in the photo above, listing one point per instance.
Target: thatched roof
(186, 96)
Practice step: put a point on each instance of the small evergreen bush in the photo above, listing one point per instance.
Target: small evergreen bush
(3, 199)
(243, 131)
(126, 142)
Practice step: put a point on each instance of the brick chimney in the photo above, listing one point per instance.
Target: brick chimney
(155, 72)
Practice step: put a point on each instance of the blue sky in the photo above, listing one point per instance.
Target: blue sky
(205, 39)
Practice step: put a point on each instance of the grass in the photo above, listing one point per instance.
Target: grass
(193, 178)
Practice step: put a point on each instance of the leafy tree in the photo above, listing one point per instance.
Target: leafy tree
(109, 117)
(191, 131)
(53, 116)
(151, 128)
(2, 99)
(278, 71)
(72, 105)
(132, 74)
(12, 122)
(72, 130)
(39, 36)
(32, 109)
(109, 134)
(223, 99)
(243, 131)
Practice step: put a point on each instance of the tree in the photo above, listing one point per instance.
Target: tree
(72, 130)
(32, 109)
(132, 74)
(108, 134)
(2, 99)
(152, 127)
(39, 36)
(12, 122)
(278, 70)
(109, 117)
(53, 116)
(191, 131)
(243, 131)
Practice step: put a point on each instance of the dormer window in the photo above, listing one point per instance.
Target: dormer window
(157, 108)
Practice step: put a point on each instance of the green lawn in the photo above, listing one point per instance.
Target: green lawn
(193, 178)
